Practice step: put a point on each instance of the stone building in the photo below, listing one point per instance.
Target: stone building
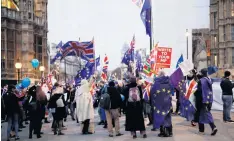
(201, 48)
(222, 33)
(23, 37)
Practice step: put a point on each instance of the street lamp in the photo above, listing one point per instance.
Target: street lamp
(42, 69)
(18, 66)
(187, 35)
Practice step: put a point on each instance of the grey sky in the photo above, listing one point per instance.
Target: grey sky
(113, 22)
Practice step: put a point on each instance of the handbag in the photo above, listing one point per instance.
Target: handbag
(59, 102)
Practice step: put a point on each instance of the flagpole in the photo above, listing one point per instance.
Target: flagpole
(151, 22)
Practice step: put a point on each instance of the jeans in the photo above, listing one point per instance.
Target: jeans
(72, 109)
(14, 119)
(227, 105)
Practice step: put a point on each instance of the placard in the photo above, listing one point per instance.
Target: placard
(164, 57)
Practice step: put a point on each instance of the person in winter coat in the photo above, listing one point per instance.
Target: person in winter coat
(113, 112)
(160, 94)
(204, 100)
(12, 111)
(84, 107)
(134, 109)
(36, 102)
(57, 103)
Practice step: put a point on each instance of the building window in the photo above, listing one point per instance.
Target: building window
(29, 15)
(10, 35)
(29, 5)
(233, 56)
(10, 64)
(224, 33)
(232, 32)
(232, 3)
(215, 16)
(215, 41)
(10, 55)
(3, 64)
(10, 45)
(215, 60)
(2, 45)
(2, 34)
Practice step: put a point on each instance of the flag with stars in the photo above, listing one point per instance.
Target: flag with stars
(161, 96)
(176, 77)
(146, 16)
(180, 60)
(187, 110)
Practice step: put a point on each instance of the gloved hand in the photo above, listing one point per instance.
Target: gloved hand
(207, 107)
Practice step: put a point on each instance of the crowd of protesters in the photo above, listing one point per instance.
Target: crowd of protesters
(34, 106)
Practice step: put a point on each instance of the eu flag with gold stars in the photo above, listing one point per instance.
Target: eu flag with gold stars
(161, 96)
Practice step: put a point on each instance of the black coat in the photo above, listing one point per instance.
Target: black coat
(60, 112)
(134, 111)
(114, 97)
(226, 86)
(11, 102)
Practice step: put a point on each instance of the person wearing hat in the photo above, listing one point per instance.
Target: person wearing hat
(205, 100)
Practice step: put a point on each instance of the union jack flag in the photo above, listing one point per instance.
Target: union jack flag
(106, 63)
(132, 45)
(83, 49)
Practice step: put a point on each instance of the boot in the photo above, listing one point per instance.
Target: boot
(105, 124)
(161, 133)
(170, 131)
(166, 132)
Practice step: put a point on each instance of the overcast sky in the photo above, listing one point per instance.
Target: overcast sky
(113, 22)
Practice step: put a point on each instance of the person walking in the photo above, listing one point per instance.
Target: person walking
(12, 111)
(205, 99)
(57, 103)
(227, 96)
(161, 97)
(113, 112)
(134, 109)
(84, 107)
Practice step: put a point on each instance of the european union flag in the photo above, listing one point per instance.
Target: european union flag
(160, 96)
(176, 77)
(146, 16)
(181, 59)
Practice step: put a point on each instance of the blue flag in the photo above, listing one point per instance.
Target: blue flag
(127, 58)
(160, 96)
(146, 16)
(176, 77)
(181, 59)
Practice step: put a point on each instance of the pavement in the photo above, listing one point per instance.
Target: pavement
(182, 131)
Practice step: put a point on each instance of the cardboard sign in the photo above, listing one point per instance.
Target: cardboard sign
(164, 57)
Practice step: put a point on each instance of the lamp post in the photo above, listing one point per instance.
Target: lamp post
(187, 35)
(18, 66)
(42, 69)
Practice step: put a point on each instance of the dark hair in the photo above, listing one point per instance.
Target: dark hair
(56, 84)
(10, 87)
(227, 73)
(112, 84)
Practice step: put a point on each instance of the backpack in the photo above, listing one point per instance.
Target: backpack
(105, 101)
(59, 102)
(134, 95)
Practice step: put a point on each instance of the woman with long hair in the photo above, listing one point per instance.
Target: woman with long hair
(57, 102)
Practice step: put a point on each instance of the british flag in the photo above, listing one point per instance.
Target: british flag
(85, 50)
(132, 45)
(106, 63)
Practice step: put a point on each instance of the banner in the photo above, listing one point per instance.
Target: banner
(164, 57)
